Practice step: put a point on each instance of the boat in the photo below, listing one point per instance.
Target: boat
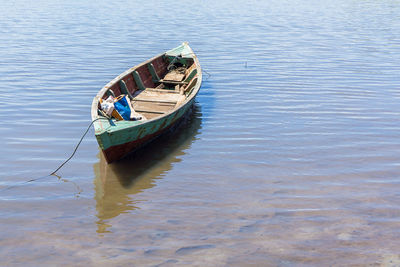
(159, 91)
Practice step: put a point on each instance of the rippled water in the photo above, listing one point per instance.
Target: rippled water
(290, 156)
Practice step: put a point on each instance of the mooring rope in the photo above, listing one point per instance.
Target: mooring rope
(55, 171)
(76, 147)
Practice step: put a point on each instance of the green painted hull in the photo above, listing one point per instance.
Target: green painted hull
(120, 138)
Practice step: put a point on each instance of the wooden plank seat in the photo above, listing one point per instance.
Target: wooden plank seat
(172, 82)
(167, 91)
(150, 111)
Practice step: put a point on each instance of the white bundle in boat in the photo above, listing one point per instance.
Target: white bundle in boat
(108, 105)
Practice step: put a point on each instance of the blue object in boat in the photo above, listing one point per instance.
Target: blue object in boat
(123, 108)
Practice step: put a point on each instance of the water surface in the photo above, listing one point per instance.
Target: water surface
(290, 157)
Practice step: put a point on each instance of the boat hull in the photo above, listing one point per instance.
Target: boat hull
(154, 130)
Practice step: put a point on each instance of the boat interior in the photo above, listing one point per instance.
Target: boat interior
(155, 87)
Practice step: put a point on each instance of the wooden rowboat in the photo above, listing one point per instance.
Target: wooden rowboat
(161, 90)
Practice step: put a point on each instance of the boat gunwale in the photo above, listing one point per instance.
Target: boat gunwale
(100, 94)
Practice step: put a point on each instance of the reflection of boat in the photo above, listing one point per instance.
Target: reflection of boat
(161, 90)
(115, 184)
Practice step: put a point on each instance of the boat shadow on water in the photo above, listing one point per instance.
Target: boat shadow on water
(117, 183)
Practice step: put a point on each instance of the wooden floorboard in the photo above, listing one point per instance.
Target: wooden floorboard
(155, 102)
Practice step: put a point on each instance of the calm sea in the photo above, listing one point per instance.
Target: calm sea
(290, 157)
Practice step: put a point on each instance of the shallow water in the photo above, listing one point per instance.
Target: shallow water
(290, 156)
